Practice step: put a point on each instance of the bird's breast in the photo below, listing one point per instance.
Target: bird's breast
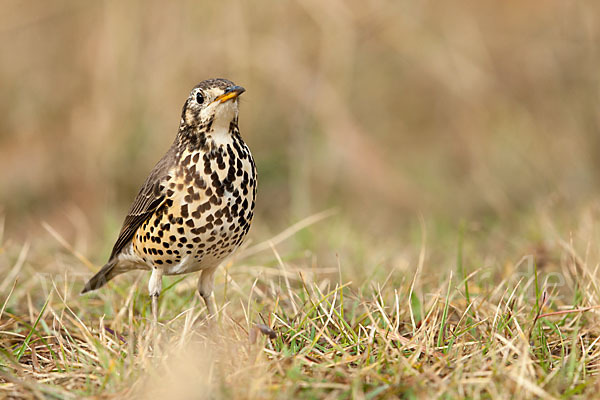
(208, 208)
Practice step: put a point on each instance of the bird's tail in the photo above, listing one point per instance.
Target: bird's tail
(105, 274)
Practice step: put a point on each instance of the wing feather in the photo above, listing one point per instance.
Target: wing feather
(149, 199)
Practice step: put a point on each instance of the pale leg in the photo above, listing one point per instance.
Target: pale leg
(154, 288)
(205, 288)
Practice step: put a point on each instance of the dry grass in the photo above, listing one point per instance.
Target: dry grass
(468, 332)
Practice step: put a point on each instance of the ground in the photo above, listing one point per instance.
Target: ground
(513, 317)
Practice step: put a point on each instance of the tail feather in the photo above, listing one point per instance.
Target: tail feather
(105, 274)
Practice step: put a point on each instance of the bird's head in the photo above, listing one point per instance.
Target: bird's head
(212, 106)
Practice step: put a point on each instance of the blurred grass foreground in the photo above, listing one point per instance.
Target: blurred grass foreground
(451, 149)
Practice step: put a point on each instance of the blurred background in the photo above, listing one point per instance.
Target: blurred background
(383, 110)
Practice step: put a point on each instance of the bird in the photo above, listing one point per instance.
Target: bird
(197, 204)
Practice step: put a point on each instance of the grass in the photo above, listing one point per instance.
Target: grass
(418, 331)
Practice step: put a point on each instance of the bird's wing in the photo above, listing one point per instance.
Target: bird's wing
(150, 197)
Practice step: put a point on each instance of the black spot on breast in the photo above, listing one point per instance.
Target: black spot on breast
(199, 182)
(237, 148)
(231, 174)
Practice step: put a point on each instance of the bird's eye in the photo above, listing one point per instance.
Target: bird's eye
(199, 98)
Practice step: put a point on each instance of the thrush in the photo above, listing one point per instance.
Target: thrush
(196, 206)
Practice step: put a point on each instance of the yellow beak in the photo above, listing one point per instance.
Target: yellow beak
(231, 93)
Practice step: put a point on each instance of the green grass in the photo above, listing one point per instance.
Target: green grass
(410, 330)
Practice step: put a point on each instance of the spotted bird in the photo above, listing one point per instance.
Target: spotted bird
(196, 206)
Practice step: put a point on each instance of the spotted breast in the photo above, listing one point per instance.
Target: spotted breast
(207, 211)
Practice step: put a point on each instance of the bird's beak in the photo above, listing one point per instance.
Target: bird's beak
(231, 93)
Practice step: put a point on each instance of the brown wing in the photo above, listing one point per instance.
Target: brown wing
(150, 197)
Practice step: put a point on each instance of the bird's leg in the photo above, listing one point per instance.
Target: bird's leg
(154, 288)
(205, 288)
